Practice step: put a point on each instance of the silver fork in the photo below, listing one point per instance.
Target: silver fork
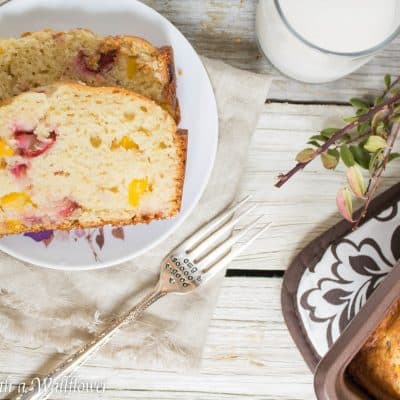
(194, 262)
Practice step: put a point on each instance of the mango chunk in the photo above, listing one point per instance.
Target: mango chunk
(128, 144)
(131, 67)
(137, 188)
(15, 201)
(125, 143)
(5, 149)
(95, 141)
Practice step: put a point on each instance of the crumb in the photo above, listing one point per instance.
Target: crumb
(238, 40)
(61, 173)
(180, 72)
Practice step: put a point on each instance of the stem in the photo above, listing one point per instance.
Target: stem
(356, 138)
(375, 180)
(283, 178)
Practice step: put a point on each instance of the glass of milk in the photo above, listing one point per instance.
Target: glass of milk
(323, 40)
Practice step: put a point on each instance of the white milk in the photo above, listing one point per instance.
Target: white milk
(338, 26)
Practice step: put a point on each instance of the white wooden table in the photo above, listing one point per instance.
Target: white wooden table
(249, 354)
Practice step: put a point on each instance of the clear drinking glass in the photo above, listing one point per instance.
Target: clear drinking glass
(301, 59)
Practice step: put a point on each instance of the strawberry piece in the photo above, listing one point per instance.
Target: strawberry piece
(104, 63)
(28, 144)
(106, 60)
(19, 170)
(68, 206)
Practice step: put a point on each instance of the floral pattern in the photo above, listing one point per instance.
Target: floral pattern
(333, 292)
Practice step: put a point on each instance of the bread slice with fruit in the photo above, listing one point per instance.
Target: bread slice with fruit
(43, 57)
(75, 156)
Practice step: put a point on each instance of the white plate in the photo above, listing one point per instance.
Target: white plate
(91, 249)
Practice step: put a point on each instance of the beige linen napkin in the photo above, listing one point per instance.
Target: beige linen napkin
(59, 311)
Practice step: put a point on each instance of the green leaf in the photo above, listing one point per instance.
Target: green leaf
(388, 80)
(314, 143)
(381, 129)
(361, 111)
(344, 203)
(329, 161)
(361, 156)
(376, 159)
(356, 181)
(328, 132)
(393, 119)
(345, 138)
(346, 156)
(334, 152)
(319, 137)
(396, 109)
(394, 156)
(375, 143)
(305, 155)
(362, 128)
(378, 100)
(359, 103)
(350, 119)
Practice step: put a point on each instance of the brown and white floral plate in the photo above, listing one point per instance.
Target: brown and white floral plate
(331, 279)
(104, 247)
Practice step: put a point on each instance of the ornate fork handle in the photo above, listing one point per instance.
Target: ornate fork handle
(41, 389)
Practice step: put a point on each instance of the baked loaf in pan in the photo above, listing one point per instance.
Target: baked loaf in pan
(43, 57)
(75, 156)
(377, 366)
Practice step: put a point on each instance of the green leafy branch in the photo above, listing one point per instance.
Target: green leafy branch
(365, 142)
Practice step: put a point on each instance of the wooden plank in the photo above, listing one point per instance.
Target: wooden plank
(249, 354)
(225, 30)
(304, 207)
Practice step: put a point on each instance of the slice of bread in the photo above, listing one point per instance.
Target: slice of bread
(75, 156)
(43, 57)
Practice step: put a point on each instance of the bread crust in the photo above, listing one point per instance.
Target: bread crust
(372, 368)
(169, 93)
(180, 139)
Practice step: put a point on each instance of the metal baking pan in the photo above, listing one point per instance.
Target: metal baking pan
(331, 380)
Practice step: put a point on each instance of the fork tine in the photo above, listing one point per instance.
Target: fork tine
(209, 243)
(240, 249)
(212, 225)
(214, 269)
(220, 250)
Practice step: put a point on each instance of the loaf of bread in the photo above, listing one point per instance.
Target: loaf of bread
(376, 368)
(75, 156)
(43, 57)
